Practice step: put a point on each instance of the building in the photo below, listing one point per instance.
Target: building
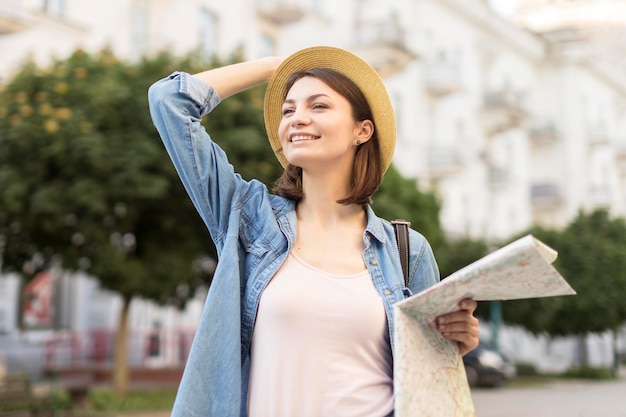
(585, 76)
(511, 124)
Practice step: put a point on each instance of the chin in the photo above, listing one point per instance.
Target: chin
(299, 161)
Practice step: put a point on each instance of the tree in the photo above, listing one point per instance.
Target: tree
(85, 182)
(460, 252)
(400, 198)
(591, 257)
(536, 314)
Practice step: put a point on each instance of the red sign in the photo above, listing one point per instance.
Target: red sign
(39, 301)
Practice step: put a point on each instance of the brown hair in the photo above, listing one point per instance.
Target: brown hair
(367, 173)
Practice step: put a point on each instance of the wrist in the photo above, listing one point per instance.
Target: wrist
(270, 63)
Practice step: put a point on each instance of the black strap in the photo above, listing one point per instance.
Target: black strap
(402, 239)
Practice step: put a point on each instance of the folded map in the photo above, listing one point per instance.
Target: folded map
(429, 376)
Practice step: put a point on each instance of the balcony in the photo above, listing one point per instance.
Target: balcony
(600, 195)
(598, 136)
(568, 43)
(546, 195)
(443, 162)
(620, 156)
(441, 78)
(282, 12)
(381, 43)
(498, 177)
(543, 132)
(502, 110)
(13, 17)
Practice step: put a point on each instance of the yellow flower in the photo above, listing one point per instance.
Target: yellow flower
(60, 71)
(41, 96)
(80, 73)
(61, 88)
(64, 113)
(21, 97)
(51, 126)
(45, 109)
(85, 127)
(14, 120)
(108, 60)
(26, 110)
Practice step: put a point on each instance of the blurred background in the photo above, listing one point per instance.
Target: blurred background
(511, 120)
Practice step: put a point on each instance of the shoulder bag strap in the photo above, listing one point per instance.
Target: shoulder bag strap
(401, 228)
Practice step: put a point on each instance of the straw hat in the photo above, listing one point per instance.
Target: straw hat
(348, 64)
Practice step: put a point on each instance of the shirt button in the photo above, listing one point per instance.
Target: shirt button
(369, 237)
(373, 262)
(387, 291)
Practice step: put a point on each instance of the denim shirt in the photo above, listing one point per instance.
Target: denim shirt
(253, 231)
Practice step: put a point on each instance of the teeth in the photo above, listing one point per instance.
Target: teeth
(299, 138)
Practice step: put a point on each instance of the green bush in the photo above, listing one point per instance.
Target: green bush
(587, 372)
(526, 369)
(102, 400)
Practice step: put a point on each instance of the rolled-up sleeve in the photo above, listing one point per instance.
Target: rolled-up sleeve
(177, 105)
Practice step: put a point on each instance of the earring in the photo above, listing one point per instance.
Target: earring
(358, 142)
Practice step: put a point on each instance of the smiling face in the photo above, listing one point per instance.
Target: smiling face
(318, 129)
(324, 115)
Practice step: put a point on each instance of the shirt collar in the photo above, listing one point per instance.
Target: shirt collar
(375, 226)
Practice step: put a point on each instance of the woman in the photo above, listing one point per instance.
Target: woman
(298, 320)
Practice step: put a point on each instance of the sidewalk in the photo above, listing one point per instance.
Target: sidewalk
(478, 393)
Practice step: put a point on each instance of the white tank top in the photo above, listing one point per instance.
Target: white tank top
(320, 346)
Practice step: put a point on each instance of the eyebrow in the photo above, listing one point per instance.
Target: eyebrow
(310, 98)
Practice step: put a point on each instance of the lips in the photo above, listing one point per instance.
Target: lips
(299, 137)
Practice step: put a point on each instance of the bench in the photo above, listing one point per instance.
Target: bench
(75, 382)
(77, 386)
(16, 393)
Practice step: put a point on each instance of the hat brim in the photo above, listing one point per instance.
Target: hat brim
(348, 64)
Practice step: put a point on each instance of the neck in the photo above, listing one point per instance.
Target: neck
(321, 193)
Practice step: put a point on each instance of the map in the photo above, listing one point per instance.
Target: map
(429, 376)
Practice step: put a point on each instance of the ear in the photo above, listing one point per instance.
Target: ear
(364, 131)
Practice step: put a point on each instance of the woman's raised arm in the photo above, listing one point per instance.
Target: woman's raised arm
(231, 79)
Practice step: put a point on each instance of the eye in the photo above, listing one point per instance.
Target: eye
(287, 110)
(318, 106)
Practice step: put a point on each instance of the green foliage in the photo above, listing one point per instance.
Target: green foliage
(587, 372)
(105, 400)
(526, 369)
(460, 252)
(400, 198)
(591, 258)
(84, 178)
(536, 315)
(102, 400)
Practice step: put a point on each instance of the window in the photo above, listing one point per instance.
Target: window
(139, 29)
(266, 46)
(54, 7)
(208, 33)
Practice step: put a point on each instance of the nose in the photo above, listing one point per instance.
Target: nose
(299, 117)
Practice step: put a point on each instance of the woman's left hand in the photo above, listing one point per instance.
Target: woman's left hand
(461, 326)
